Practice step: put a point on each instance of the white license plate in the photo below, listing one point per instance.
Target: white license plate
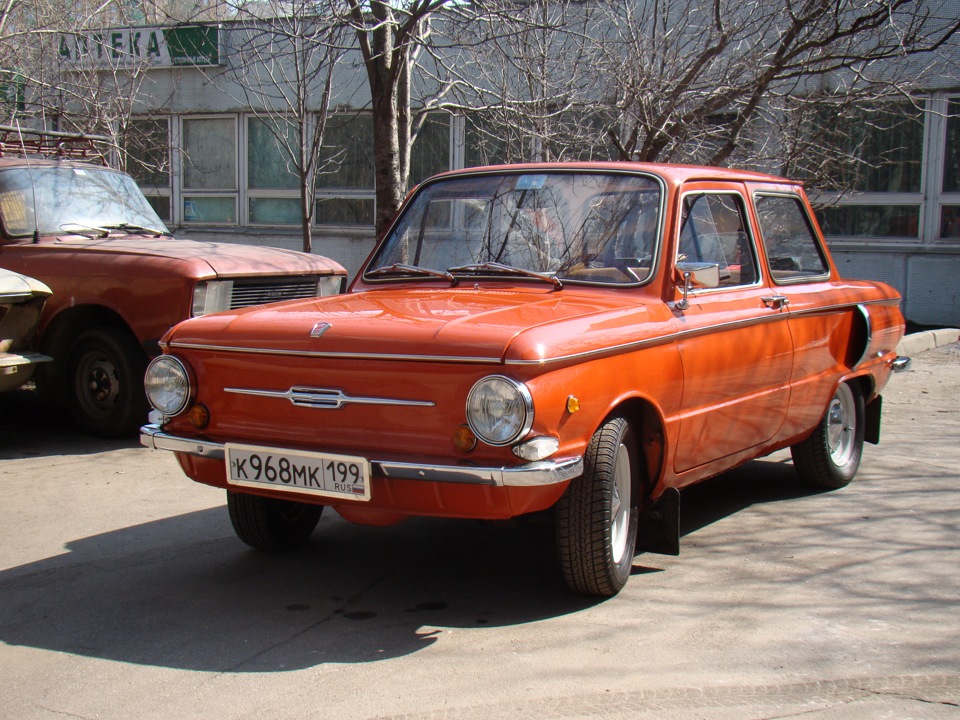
(311, 473)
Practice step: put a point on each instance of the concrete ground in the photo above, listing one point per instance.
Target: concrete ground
(124, 594)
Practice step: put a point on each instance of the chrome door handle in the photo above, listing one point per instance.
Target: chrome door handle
(777, 302)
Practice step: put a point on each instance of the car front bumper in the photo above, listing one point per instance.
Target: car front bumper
(536, 474)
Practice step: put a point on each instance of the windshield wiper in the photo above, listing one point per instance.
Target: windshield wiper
(498, 268)
(402, 269)
(86, 230)
(128, 228)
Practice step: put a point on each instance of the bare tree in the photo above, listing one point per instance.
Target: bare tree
(284, 66)
(687, 78)
(391, 37)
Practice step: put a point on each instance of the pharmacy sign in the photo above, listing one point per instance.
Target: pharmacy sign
(160, 47)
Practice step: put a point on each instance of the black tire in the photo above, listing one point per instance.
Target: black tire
(104, 382)
(270, 524)
(596, 526)
(830, 457)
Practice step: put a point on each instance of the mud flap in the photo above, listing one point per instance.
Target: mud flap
(871, 430)
(659, 530)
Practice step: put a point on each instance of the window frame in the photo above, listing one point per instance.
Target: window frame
(748, 228)
(815, 233)
(187, 193)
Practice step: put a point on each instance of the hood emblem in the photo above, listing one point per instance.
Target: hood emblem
(319, 329)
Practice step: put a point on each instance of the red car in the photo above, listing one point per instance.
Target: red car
(119, 279)
(580, 338)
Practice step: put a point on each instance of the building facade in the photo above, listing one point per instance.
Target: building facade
(222, 175)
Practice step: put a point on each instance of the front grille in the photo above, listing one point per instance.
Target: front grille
(258, 292)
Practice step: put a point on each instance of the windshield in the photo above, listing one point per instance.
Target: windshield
(578, 226)
(72, 199)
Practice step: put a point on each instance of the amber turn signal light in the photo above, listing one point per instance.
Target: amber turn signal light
(198, 416)
(463, 439)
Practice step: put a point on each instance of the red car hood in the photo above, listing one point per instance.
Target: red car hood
(454, 324)
(223, 259)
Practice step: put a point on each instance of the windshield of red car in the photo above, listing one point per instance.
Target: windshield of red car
(72, 199)
(580, 226)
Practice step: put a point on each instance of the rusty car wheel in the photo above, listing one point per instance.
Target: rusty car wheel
(596, 519)
(270, 524)
(105, 382)
(830, 457)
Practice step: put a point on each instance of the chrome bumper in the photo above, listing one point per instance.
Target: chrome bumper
(546, 472)
(901, 364)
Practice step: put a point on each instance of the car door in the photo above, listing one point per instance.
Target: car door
(735, 343)
(822, 315)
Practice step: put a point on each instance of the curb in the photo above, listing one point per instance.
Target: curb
(920, 342)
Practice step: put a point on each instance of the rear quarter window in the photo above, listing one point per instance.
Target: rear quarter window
(792, 249)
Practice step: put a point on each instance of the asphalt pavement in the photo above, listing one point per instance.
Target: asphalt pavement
(125, 594)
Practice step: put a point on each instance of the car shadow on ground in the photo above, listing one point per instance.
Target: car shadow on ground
(30, 429)
(183, 592)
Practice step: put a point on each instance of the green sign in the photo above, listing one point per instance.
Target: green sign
(192, 45)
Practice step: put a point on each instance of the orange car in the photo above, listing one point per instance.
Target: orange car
(586, 338)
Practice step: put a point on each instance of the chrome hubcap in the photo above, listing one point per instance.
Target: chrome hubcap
(620, 505)
(841, 425)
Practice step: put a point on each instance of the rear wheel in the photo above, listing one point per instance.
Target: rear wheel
(830, 457)
(105, 369)
(270, 524)
(596, 519)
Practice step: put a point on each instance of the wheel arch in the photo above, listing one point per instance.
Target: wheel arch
(63, 330)
(650, 432)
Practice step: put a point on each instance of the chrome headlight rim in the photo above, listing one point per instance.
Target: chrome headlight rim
(519, 428)
(177, 369)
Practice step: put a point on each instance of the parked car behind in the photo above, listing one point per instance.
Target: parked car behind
(119, 278)
(580, 338)
(21, 302)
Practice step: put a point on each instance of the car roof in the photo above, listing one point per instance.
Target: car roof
(671, 173)
(37, 161)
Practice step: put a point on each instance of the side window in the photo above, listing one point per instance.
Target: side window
(791, 245)
(714, 230)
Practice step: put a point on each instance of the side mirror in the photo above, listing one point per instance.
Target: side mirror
(697, 274)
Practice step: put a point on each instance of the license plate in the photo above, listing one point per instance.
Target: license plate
(311, 473)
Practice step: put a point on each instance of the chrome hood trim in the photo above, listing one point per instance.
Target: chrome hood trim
(325, 398)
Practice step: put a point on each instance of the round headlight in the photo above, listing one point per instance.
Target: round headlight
(167, 383)
(499, 410)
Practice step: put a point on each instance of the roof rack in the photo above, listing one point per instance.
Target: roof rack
(23, 141)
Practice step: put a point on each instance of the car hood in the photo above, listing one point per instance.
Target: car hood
(222, 259)
(464, 325)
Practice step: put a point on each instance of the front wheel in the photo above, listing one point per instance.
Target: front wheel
(830, 457)
(596, 519)
(105, 368)
(270, 524)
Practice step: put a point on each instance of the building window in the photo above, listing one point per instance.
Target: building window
(273, 183)
(951, 156)
(431, 150)
(875, 168)
(345, 186)
(950, 210)
(876, 149)
(146, 144)
(210, 170)
(872, 221)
